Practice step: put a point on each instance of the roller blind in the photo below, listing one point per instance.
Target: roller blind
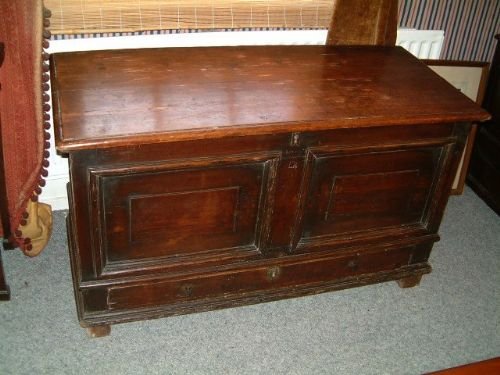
(99, 16)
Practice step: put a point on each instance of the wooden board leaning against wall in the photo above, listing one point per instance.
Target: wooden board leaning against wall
(470, 78)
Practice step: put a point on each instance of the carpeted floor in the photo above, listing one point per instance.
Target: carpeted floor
(452, 318)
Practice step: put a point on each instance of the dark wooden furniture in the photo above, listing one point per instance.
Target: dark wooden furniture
(204, 178)
(4, 288)
(4, 219)
(484, 173)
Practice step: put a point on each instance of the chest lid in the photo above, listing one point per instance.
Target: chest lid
(127, 97)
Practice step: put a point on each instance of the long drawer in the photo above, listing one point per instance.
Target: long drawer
(249, 284)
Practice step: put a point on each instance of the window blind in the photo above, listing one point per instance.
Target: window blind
(103, 16)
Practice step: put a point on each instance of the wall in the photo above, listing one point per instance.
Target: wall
(469, 25)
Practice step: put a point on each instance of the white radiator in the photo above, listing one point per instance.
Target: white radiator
(422, 43)
(425, 44)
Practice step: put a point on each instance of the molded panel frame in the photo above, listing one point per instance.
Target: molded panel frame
(97, 176)
(442, 149)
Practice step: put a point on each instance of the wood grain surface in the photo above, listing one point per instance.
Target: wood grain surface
(109, 98)
(206, 178)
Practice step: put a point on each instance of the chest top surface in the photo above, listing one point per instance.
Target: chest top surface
(128, 97)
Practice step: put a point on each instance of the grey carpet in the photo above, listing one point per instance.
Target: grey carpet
(452, 318)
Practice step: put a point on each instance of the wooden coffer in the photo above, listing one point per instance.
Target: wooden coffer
(173, 221)
(211, 224)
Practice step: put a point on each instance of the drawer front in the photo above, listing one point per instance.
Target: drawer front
(268, 278)
(181, 212)
(366, 191)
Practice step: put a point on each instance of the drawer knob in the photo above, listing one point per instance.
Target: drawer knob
(187, 290)
(273, 273)
(353, 264)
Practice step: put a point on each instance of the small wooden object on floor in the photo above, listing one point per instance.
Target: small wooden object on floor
(99, 331)
(410, 281)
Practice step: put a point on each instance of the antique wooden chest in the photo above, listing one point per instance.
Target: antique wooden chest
(204, 178)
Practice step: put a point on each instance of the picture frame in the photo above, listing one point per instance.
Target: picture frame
(470, 77)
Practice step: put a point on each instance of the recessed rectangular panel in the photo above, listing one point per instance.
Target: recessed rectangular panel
(189, 211)
(373, 193)
(183, 214)
(366, 191)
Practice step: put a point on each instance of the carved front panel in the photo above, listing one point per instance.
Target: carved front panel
(369, 191)
(185, 211)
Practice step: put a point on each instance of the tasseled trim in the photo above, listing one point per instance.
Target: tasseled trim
(25, 243)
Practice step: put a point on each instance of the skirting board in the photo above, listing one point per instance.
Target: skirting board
(424, 44)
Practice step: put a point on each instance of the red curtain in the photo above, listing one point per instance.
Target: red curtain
(23, 115)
